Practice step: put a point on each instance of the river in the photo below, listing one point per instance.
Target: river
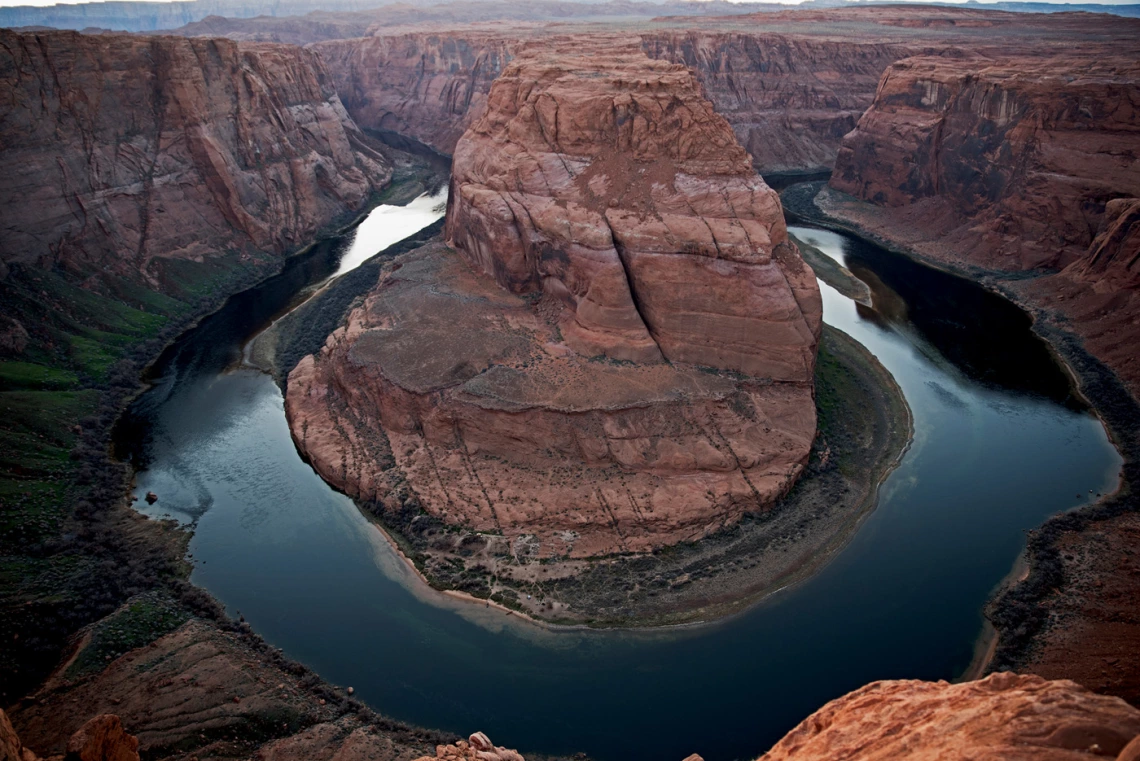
(1000, 444)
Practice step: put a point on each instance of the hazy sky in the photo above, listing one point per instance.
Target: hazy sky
(382, 2)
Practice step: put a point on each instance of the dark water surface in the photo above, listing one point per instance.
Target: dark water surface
(999, 445)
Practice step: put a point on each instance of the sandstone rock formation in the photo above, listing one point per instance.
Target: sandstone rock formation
(782, 94)
(1014, 160)
(424, 85)
(1004, 716)
(121, 153)
(1013, 164)
(100, 739)
(789, 98)
(790, 83)
(609, 222)
(613, 188)
(478, 747)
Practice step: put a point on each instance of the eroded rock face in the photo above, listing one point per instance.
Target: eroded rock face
(604, 221)
(120, 153)
(1014, 164)
(1004, 716)
(102, 738)
(610, 185)
(1014, 160)
(429, 86)
(448, 392)
(790, 99)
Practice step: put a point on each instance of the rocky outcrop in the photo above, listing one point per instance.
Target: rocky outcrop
(122, 153)
(615, 190)
(1013, 161)
(100, 739)
(1004, 716)
(478, 747)
(609, 222)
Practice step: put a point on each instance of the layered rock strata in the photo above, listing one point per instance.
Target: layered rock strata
(1015, 160)
(1012, 165)
(618, 352)
(120, 153)
(790, 83)
(616, 190)
(789, 99)
(428, 86)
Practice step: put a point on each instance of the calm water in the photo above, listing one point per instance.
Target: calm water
(999, 445)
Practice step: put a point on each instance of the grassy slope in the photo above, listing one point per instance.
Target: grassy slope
(70, 550)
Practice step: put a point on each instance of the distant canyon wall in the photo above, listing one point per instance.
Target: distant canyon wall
(1015, 164)
(1019, 156)
(119, 152)
(790, 100)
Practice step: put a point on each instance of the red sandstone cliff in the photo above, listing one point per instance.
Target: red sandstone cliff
(120, 152)
(1014, 164)
(1014, 160)
(791, 84)
(429, 86)
(790, 99)
(609, 221)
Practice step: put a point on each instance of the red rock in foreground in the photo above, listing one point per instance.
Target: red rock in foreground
(478, 747)
(627, 228)
(1004, 717)
(100, 739)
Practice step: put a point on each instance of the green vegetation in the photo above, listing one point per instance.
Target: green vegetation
(140, 621)
(71, 550)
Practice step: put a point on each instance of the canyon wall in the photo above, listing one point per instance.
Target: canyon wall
(789, 99)
(1013, 164)
(1016, 159)
(121, 153)
(603, 219)
(429, 86)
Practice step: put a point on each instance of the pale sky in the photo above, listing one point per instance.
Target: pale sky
(384, 2)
